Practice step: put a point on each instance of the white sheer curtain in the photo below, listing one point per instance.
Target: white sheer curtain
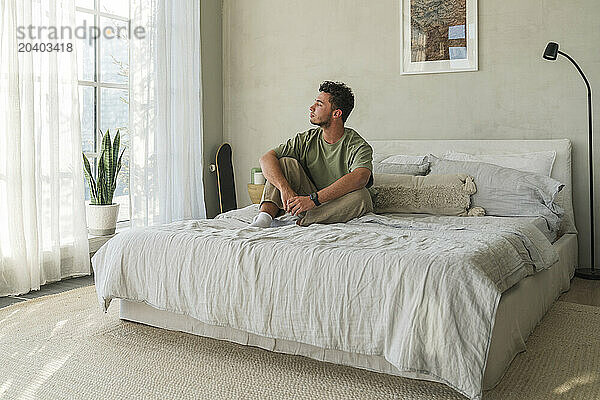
(43, 235)
(166, 113)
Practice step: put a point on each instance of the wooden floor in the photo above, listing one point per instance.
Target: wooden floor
(51, 288)
(582, 291)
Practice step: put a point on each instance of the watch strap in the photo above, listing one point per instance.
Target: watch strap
(315, 198)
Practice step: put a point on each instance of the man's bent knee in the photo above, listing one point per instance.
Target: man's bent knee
(360, 199)
(288, 161)
(364, 196)
(349, 206)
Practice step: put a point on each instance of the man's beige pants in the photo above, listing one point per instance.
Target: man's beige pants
(342, 209)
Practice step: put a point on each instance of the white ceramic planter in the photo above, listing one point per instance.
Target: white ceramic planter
(102, 219)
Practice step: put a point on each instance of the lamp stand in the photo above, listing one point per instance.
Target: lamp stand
(588, 273)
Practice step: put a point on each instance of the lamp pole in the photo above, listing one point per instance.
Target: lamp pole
(587, 273)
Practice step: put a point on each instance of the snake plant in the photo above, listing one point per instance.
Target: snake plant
(102, 187)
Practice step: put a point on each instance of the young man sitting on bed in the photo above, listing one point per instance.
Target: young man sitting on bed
(319, 175)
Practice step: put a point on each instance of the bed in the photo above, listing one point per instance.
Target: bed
(348, 298)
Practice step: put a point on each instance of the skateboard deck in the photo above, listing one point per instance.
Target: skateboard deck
(225, 179)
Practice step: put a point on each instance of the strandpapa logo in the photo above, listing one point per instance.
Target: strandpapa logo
(84, 31)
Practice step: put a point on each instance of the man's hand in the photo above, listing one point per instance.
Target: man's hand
(300, 203)
(286, 196)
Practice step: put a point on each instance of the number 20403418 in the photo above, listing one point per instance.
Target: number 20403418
(45, 47)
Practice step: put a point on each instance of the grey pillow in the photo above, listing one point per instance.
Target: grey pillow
(380, 167)
(507, 192)
(402, 169)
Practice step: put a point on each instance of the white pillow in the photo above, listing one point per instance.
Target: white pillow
(539, 163)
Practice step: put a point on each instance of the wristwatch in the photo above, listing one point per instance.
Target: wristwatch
(315, 198)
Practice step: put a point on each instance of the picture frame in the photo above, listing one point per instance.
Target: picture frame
(437, 39)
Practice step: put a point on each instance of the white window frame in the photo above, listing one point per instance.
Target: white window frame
(98, 86)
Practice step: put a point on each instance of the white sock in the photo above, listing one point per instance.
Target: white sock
(262, 220)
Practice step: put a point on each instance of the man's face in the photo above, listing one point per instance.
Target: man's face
(321, 110)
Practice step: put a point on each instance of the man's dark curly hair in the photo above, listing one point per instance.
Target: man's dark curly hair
(341, 97)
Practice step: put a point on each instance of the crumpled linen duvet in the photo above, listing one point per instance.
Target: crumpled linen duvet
(421, 292)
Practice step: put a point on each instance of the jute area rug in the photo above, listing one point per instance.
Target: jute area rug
(63, 347)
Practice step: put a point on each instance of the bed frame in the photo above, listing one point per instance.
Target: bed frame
(520, 309)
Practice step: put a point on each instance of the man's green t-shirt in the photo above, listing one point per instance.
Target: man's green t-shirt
(325, 163)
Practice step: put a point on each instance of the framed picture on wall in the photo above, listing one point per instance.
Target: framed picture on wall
(439, 36)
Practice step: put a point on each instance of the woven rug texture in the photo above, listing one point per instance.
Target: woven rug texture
(64, 347)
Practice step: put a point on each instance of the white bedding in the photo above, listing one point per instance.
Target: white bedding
(421, 292)
(542, 225)
(539, 222)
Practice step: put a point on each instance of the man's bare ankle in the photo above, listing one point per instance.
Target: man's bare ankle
(270, 208)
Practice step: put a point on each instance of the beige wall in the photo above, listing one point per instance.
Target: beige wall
(212, 94)
(277, 52)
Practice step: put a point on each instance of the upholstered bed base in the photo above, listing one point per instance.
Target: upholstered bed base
(520, 310)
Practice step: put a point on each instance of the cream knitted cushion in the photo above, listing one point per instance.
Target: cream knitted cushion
(430, 194)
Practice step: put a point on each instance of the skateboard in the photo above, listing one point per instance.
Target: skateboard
(225, 179)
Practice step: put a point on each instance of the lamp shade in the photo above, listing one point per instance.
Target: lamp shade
(551, 51)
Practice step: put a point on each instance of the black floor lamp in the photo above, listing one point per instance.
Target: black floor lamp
(551, 53)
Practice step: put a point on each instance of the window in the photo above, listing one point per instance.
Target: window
(103, 73)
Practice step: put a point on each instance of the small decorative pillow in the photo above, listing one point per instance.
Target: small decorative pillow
(404, 159)
(403, 169)
(400, 164)
(431, 194)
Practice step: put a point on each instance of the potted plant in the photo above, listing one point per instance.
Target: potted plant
(102, 213)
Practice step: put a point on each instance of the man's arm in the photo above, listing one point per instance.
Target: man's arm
(352, 181)
(269, 163)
